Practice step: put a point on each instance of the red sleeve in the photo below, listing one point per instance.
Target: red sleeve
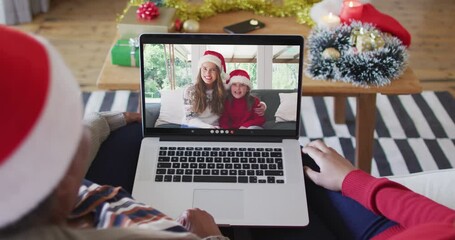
(255, 119)
(395, 201)
(224, 119)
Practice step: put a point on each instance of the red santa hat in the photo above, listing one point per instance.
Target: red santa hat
(383, 22)
(217, 59)
(239, 76)
(41, 124)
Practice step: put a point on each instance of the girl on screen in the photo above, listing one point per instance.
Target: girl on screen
(239, 105)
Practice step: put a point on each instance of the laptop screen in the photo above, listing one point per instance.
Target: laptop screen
(196, 85)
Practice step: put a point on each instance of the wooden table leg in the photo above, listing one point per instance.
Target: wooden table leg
(365, 124)
(339, 108)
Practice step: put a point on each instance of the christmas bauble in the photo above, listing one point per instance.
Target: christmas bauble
(191, 26)
(331, 53)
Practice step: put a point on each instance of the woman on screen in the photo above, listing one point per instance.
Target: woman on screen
(203, 101)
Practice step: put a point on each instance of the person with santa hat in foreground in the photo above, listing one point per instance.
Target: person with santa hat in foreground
(45, 151)
(239, 105)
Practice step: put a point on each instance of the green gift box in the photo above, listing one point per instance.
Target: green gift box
(125, 52)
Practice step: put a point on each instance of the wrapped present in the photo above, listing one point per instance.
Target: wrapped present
(125, 52)
(130, 25)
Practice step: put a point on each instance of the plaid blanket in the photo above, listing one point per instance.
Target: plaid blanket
(106, 206)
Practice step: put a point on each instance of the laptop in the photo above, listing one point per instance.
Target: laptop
(243, 177)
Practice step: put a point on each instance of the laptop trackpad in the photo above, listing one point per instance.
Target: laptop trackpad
(222, 204)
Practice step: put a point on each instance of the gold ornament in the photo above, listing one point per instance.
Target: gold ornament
(331, 53)
(366, 40)
(191, 26)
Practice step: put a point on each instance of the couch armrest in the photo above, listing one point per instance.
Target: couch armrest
(436, 185)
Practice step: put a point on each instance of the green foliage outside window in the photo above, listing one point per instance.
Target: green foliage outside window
(157, 73)
(285, 76)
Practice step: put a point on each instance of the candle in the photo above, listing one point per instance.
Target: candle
(330, 20)
(351, 10)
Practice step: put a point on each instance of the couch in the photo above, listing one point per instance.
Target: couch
(278, 115)
(436, 185)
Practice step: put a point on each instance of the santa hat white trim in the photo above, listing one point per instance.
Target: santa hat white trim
(239, 79)
(35, 168)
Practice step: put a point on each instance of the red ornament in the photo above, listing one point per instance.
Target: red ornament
(148, 11)
(178, 25)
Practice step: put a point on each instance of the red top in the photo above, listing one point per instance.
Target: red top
(418, 216)
(236, 114)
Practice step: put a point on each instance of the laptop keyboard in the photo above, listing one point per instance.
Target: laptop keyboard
(220, 165)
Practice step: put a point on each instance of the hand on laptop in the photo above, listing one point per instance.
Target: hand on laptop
(199, 222)
(333, 167)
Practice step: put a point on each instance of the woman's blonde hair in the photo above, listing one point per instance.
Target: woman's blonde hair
(200, 102)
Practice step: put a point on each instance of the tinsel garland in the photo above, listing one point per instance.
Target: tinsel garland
(284, 8)
(377, 67)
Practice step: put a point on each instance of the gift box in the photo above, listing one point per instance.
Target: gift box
(132, 26)
(125, 52)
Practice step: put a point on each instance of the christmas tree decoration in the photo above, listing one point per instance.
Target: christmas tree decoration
(365, 40)
(331, 53)
(382, 58)
(178, 24)
(191, 26)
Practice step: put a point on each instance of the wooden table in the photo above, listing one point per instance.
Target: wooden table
(125, 78)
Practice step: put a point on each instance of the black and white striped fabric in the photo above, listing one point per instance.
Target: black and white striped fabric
(414, 133)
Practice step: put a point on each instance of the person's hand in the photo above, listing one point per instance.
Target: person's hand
(131, 117)
(199, 222)
(333, 167)
(260, 110)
